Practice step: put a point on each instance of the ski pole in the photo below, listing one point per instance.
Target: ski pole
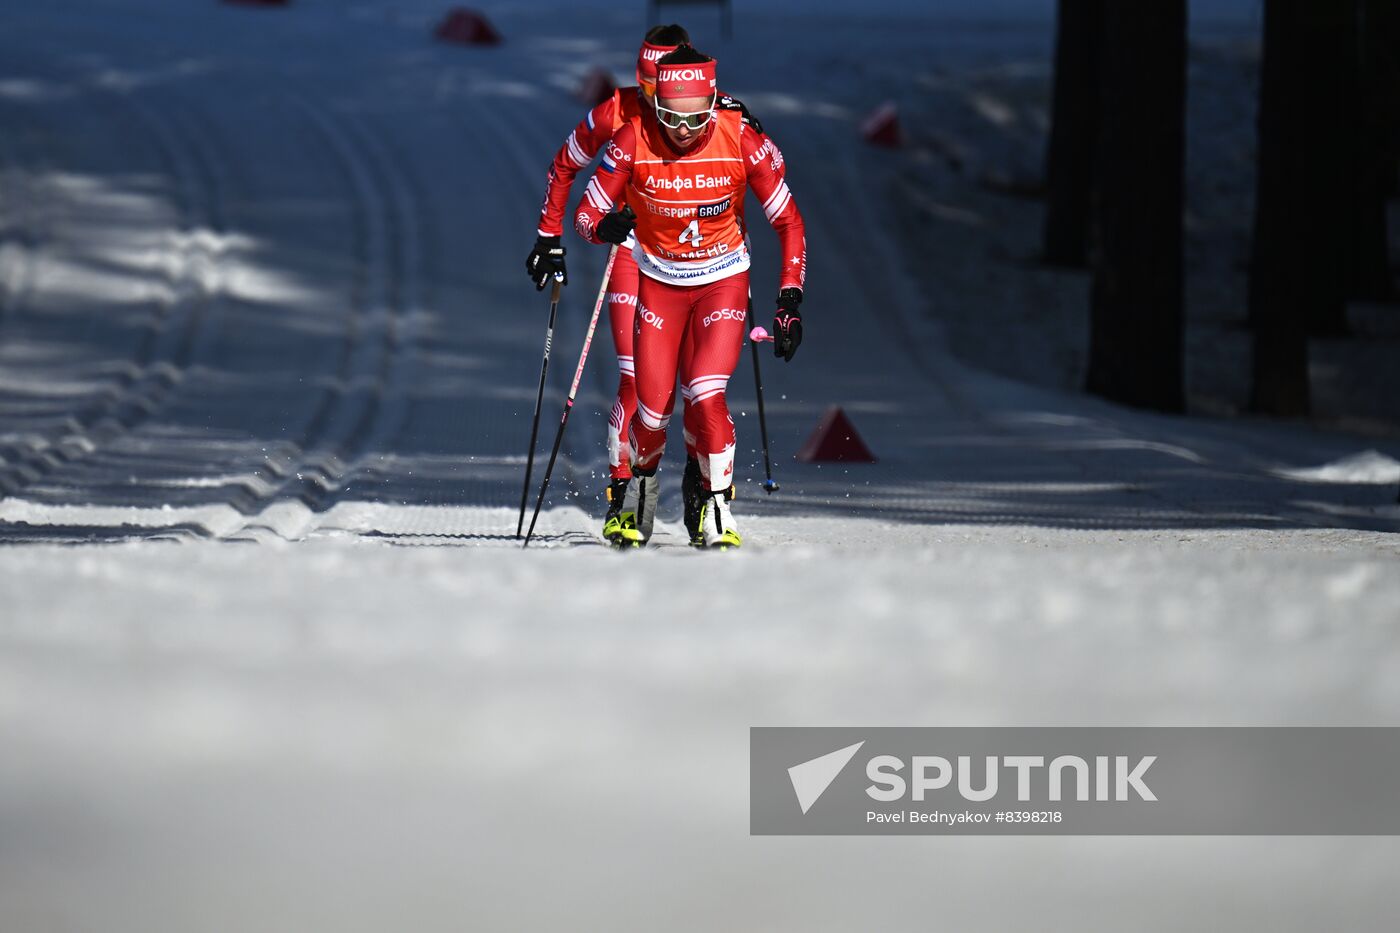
(539, 400)
(769, 486)
(573, 389)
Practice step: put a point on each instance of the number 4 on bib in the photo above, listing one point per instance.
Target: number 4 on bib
(691, 234)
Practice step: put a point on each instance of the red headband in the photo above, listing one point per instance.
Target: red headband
(677, 81)
(646, 60)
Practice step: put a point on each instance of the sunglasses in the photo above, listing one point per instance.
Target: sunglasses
(675, 119)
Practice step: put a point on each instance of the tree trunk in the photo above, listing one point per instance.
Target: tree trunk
(1136, 322)
(1375, 116)
(1380, 42)
(1327, 97)
(1278, 270)
(1073, 127)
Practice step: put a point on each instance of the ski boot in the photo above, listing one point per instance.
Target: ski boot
(619, 522)
(715, 511)
(693, 502)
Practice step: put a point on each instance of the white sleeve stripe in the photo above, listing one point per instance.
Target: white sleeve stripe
(600, 194)
(590, 120)
(597, 196)
(774, 211)
(778, 193)
(576, 152)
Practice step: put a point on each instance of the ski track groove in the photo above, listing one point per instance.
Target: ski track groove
(369, 397)
(386, 409)
(418, 297)
(164, 353)
(22, 229)
(375, 356)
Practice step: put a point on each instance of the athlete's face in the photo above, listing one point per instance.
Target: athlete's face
(684, 136)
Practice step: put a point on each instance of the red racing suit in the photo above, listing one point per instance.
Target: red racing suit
(594, 132)
(692, 251)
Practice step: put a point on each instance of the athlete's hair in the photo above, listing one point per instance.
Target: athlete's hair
(685, 55)
(674, 34)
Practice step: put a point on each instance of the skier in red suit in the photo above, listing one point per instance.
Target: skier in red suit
(684, 169)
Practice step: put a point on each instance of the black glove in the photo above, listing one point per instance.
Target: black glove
(546, 259)
(787, 324)
(617, 226)
(726, 102)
